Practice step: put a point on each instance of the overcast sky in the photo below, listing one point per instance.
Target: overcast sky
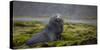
(36, 9)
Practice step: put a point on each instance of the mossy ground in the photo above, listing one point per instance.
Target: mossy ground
(73, 34)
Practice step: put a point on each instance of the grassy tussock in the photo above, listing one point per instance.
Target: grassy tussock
(73, 34)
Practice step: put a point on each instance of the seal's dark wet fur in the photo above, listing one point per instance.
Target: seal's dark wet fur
(51, 33)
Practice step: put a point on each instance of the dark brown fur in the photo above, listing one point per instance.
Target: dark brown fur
(51, 33)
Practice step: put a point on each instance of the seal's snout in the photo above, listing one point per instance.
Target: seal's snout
(56, 18)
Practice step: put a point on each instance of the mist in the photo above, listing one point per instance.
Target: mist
(67, 11)
(36, 9)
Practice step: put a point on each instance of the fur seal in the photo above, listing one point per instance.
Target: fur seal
(51, 33)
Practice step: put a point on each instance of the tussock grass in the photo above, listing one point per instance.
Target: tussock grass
(73, 34)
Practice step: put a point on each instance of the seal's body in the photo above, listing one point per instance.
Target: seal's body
(51, 33)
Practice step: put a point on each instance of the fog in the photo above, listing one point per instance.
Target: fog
(47, 9)
(37, 9)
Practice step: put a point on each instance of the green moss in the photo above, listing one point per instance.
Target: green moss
(73, 34)
(20, 39)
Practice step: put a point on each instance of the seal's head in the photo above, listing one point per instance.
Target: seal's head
(56, 20)
(56, 24)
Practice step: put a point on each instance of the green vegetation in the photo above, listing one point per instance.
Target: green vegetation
(73, 34)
